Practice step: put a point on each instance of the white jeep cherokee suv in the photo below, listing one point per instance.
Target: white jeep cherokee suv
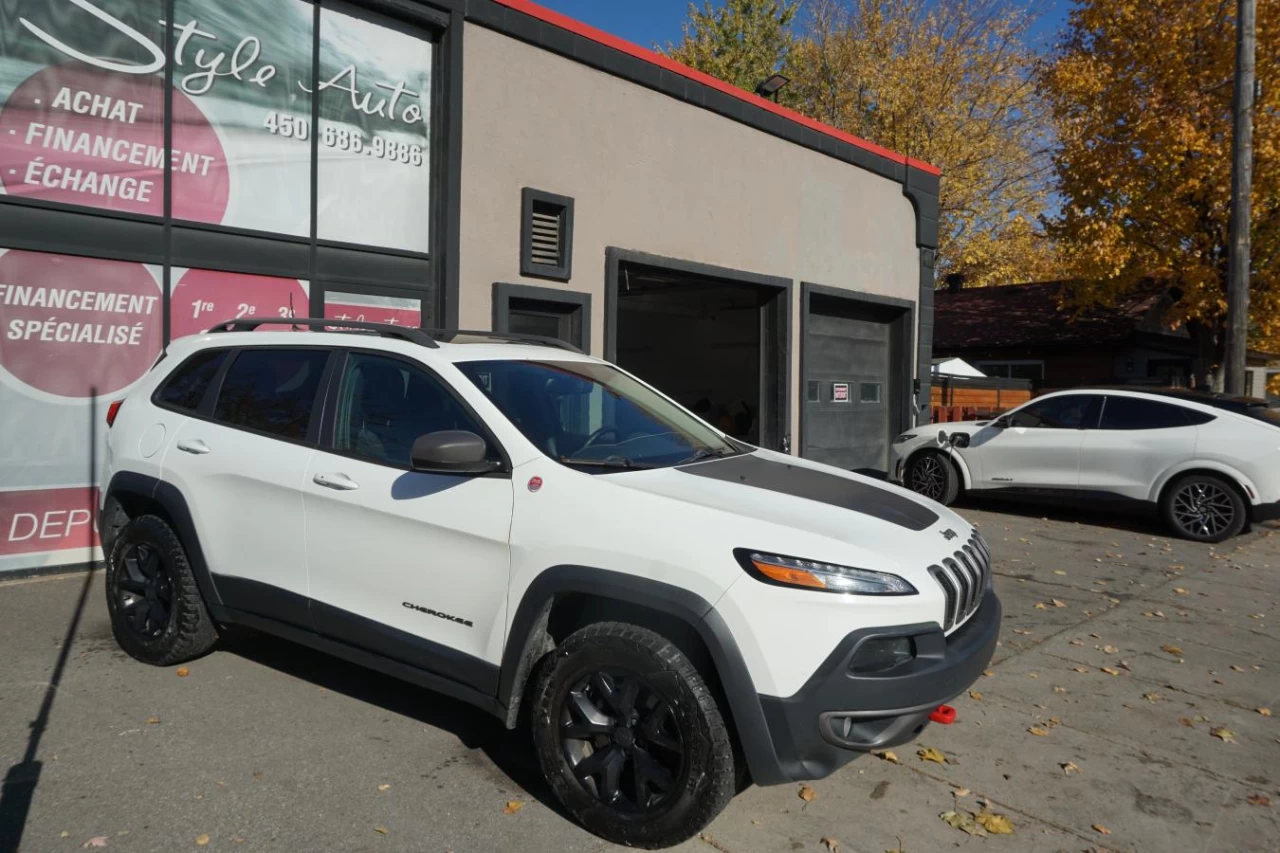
(520, 525)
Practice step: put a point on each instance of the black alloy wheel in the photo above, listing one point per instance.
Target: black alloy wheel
(621, 740)
(928, 478)
(1203, 509)
(144, 592)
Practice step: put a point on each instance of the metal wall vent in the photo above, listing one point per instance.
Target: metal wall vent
(546, 235)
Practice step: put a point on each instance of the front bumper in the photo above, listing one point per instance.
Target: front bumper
(838, 713)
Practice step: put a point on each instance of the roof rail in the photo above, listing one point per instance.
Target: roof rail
(385, 330)
(510, 337)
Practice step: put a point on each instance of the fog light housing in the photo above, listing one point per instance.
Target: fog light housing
(881, 654)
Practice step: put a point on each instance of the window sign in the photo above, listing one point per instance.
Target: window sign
(839, 392)
(373, 174)
(367, 308)
(82, 106)
(75, 334)
(202, 298)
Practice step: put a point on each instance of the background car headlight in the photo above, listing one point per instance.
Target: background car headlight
(810, 574)
(905, 437)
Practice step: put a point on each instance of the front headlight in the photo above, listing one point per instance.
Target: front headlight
(905, 437)
(810, 574)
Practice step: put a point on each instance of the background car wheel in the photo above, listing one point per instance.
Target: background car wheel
(629, 736)
(157, 614)
(931, 474)
(1204, 508)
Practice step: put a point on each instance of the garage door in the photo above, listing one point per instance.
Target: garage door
(852, 382)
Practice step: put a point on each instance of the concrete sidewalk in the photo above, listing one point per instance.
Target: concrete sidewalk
(1123, 652)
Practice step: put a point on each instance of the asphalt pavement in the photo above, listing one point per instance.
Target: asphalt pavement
(1128, 708)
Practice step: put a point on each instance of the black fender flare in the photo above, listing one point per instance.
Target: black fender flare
(525, 644)
(170, 498)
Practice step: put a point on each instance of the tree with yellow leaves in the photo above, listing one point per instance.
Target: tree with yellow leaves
(950, 83)
(1140, 92)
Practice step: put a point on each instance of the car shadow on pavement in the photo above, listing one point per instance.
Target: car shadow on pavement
(1099, 515)
(511, 751)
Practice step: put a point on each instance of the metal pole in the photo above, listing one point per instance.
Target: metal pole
(1241, 186)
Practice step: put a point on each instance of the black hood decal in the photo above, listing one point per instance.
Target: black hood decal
(885, 504)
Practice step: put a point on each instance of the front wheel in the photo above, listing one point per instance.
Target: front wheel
(931, 474)
(1204, 508)
(630, 737)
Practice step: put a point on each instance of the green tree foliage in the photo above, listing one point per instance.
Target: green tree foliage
(741, 41)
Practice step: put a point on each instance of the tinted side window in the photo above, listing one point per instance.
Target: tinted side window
(271, 390)
(1070, 411)
(385, 404)
(1135, 413)
(185, 388)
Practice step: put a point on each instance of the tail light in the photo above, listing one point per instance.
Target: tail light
(112, 411)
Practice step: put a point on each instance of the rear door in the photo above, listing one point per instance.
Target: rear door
(1136, 441)
(412, 566)
(239, 463)
(1040, 447)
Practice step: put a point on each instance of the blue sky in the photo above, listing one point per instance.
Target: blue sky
(655, 22)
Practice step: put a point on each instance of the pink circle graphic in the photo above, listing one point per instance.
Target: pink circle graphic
(202, 298)
(83, 136)
(77, 326)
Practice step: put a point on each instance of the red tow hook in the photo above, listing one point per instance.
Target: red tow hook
(944, 714)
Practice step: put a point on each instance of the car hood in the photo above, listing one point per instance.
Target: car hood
(806, 509)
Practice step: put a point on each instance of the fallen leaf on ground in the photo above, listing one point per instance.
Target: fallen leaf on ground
(1177, 590)
(1237, 668)
(1266, 712)
(1022, 631)
(830, 843)
(1059, 572)
(1151, 697)
(977, 697)
(1111, 650)
(1039, 731)
(1097, 827)
(961, 792)
(96, 841)
(202, 839)
(1153, 614)
(1223, 734)
(1076, 642)
(512, 807)
(807, 793)
(1109, 671)
(1258, 800)
(1033, 675)
(1040, 605)
(384, 787)
(1069, 767)
(1082, 669)
(931, 754)
(1057, 602)
(258, 775)
(988, 672)
(182, 672)
(153, 721)
(996, 824)
(381, 830)
(1057, 689)
(887, 755)
(1172, 650)
(962, 821)
(64, 834)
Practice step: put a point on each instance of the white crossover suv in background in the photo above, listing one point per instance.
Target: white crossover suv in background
(519, 525)
(1209, 464)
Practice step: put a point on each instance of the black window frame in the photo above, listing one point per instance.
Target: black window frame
(333, 386)
(1090, 419)
(563, 271)
(215, 381)
(1188, 417)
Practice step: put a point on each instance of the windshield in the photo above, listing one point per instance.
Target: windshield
(593, 415)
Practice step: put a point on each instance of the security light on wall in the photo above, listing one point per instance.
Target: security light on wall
(770, 86)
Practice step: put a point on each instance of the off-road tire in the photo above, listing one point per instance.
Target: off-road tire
(190, 631)
(705, 785)
(934, 476)
(1224, 513)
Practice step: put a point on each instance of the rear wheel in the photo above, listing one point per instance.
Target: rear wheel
(630, 738)
(157, 614)
(931, 474)
(1204, 508)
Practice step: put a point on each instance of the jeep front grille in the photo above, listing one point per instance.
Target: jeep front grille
(964, 577)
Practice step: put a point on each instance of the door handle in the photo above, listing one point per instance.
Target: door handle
(193, 445)
(341, 482)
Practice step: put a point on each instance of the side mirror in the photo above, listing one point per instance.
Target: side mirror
(450, 451)
(1001, 422)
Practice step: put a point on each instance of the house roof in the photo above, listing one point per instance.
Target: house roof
(1032, 314)
(555, 19)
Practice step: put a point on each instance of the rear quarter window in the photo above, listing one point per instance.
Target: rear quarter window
(186, 386)
(271, 391)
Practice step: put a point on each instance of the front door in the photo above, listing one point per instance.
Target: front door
(1039, 449)
(240, 467)
(412, 566)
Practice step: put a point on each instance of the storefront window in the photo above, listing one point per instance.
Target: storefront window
(202, 298)
(82, 104)
(75, 333)
(363, 307)
(374, 169)
(242, 68)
